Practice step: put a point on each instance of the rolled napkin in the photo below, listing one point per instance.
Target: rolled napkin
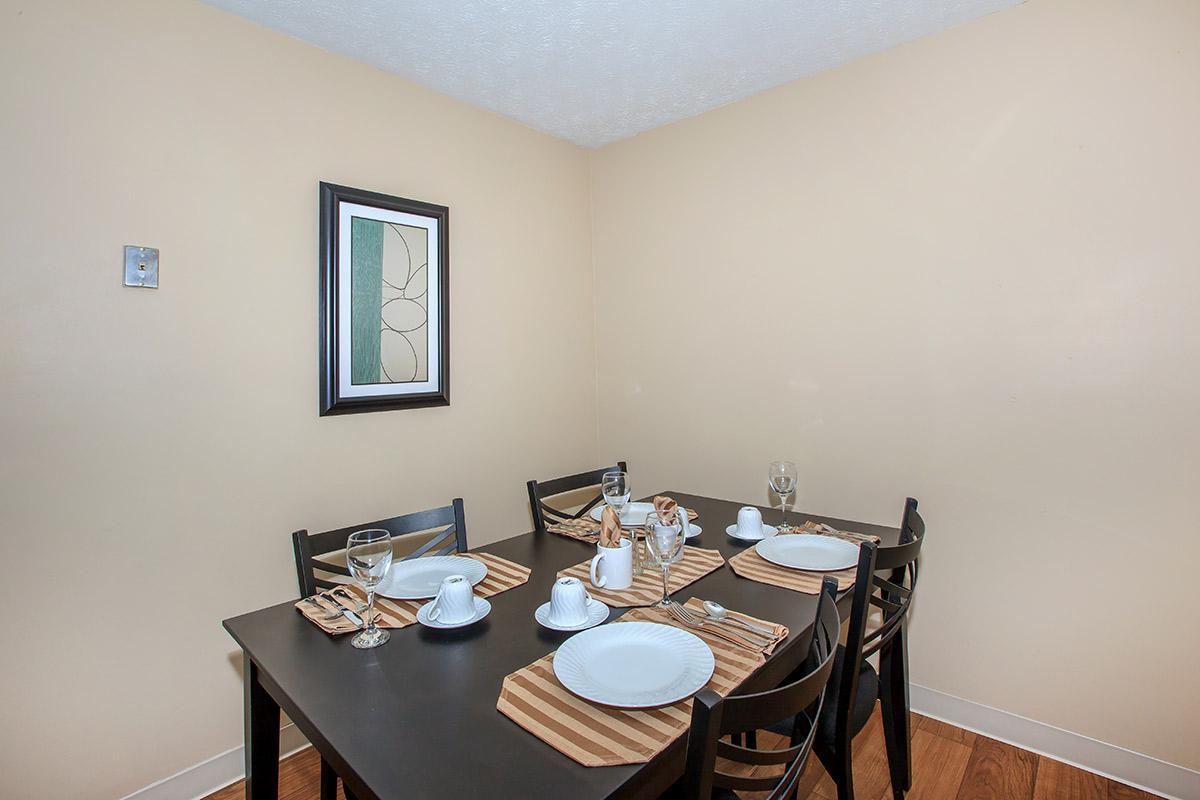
(665, 508)
(610, 528)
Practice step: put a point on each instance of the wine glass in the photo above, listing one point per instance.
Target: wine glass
(665, 546)
(782, 477)
(614, 487)
(369, 557)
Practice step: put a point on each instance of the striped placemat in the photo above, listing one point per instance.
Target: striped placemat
(502, 575)
(586, 529)
(647, 587)
(749, 564)
(602, 736)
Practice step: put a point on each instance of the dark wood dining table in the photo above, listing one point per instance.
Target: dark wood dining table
(416, 718)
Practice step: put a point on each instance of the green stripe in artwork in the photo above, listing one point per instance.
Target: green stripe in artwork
(366, 298)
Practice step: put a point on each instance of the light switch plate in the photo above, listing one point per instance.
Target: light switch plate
(141, 266)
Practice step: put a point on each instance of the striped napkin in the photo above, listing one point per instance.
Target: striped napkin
(586, 529)
(647, 587)
(749, 564)
(601, 736)
(502, 575)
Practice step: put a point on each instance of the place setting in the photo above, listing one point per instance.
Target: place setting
(796, 558)
(615, 493)
(439, 592)
(621, 693)
(624, 571)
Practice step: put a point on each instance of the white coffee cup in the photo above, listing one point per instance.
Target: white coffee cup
(749, 522)
(569, 602)
(612, 567)
(455, 601)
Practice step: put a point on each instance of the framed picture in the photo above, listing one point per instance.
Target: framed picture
(385, 302)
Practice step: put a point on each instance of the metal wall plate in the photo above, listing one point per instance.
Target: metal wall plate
(141, 266)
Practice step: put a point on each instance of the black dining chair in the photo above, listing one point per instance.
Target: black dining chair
(855, 685)
(308, 547)
(798, 702)
(544, 514)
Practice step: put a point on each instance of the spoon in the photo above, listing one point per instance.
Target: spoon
(717, 612)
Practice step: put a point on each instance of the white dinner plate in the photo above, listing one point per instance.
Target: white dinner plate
(768, 531)
(809, 552)
(420, 578)
(633, 515)
(634, 664)
(482, 608)
(597, 613)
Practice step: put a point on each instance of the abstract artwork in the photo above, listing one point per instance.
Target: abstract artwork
(384, 302)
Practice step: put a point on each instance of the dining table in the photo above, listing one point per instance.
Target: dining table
(417, 717)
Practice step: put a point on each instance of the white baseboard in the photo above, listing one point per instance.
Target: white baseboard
(1126, 766)
(1109, 760)
(215, 773)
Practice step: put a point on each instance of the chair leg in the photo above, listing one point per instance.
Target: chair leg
(346, 791)
(840, 767)
(328, 781)
(893, 698)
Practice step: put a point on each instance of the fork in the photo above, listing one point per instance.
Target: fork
(687, 618)
(328, 614)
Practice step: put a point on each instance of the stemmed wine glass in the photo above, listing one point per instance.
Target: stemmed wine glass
(782, 477)
(665, 545)
(369, 556)
(614, 487)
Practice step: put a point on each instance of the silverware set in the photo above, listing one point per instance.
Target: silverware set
(335, 598)
(723, 627)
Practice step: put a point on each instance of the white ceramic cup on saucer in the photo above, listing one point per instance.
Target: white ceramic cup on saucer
(612, 567)
(569, 602)
(455, 601)
(749, 523)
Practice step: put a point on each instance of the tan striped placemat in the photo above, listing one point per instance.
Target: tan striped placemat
(502, 575)
(586, 529)
(647, 587)
(602, 736)
(749, 564)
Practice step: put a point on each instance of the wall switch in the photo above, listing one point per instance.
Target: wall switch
(141, 266)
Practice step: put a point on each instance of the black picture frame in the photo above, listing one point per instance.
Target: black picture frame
(333, 400)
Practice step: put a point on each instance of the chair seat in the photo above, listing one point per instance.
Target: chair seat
(864, 702)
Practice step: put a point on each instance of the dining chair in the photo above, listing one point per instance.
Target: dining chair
(544, 514)
(855, 684)
(308, 547)
(798, 702)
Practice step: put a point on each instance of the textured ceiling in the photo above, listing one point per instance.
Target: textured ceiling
(593, 71)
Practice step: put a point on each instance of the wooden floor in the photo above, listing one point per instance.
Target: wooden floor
(948, 763)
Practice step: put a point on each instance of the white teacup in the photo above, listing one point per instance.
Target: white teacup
(749, 522)
(455, 601)
(569, 602)
(612, 567)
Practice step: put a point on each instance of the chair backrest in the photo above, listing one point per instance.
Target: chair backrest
(714, 717)
(544, 514)
(309, 546)
(892, 594)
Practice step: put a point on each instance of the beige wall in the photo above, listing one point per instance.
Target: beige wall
(170, 438)
(965, 269)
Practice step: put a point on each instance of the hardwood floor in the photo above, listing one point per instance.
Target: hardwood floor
(948, 764)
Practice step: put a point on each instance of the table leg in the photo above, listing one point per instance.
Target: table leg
(262, 737)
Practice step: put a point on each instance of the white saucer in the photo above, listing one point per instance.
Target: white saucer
(694, 530)
(768, 531)
(597, 613)
(482, 607)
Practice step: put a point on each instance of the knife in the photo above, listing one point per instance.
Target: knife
(346, 612)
